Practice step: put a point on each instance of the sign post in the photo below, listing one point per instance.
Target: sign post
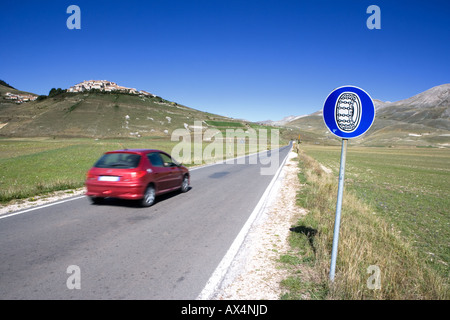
(348, 112)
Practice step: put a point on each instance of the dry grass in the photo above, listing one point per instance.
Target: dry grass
(365, 240)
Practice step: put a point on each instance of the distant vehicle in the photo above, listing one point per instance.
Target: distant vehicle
(135, 174)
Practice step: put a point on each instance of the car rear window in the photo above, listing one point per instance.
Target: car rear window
(118, 160)
(155, 159)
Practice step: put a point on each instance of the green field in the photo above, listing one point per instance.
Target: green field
(395, 216)
(228, 124)
(30, 167)
(407, 186)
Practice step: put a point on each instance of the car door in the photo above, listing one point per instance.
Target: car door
(175, 175)
(161, 173)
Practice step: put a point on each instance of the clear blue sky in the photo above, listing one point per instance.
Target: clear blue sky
(252, 59)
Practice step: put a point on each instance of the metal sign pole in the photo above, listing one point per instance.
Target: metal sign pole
(337, 220)
(348, 112)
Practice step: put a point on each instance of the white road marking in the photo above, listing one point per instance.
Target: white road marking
(40, 207)
(228, 161)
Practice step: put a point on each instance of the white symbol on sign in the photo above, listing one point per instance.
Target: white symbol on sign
(348, 111)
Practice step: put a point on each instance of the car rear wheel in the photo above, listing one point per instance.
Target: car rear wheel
(185, 184)
(149, 197)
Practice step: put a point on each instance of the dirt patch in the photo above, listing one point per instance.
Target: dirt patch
(256, 273)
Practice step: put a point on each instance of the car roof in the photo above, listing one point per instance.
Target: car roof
(141, 151)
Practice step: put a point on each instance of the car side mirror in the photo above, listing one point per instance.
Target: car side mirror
(176, 163)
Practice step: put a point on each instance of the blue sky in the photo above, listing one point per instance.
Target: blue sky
(251, 59)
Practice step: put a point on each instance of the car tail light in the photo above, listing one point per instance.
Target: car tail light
(138, 174)
(90, 175)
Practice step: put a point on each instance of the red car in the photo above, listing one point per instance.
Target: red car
(137, 174)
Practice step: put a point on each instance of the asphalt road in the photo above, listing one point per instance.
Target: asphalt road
(122, 251)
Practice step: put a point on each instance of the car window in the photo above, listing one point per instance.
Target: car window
(166, 159)
(155, 159)
(118, 160)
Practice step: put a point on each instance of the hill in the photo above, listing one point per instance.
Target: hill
(422, 120)
(4, 88)
(100, 114)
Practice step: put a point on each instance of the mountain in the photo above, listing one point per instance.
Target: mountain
(430, 108)
(422, 120)
(281, 122)
(104, 114)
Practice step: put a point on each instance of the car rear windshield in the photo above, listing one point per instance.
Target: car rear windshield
(118, 160)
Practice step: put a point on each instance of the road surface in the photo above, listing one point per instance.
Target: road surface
(118, 250)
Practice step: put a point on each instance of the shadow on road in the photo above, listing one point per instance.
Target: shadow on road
(135, 203)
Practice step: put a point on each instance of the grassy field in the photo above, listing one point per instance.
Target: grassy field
(407, 186)
(228, 124)
(30, 167)
(395, 216)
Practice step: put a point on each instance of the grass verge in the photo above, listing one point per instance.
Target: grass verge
(367, 242)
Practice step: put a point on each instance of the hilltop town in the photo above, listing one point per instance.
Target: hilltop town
(87, 85)
(107, 86)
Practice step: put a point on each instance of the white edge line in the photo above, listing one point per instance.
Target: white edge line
(219, 273)
(231, 159)
(39, 207)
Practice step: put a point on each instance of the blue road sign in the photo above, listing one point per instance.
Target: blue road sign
(348, 112)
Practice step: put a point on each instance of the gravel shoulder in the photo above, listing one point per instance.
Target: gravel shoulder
(255, 273)
(39, 200)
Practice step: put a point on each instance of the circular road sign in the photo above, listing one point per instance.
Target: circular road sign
(348, 112)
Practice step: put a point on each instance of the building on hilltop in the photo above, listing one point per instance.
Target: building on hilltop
(107, 86)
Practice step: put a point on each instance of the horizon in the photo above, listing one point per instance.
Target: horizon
(274, 120)
(254, 60)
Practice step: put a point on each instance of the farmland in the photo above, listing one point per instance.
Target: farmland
(34, 166)
(407, 186)
(395, 216)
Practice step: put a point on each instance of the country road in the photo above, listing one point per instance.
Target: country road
(122, 251)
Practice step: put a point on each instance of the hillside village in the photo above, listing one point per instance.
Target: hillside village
(107, 86)
(20, 98)
(87, 85)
